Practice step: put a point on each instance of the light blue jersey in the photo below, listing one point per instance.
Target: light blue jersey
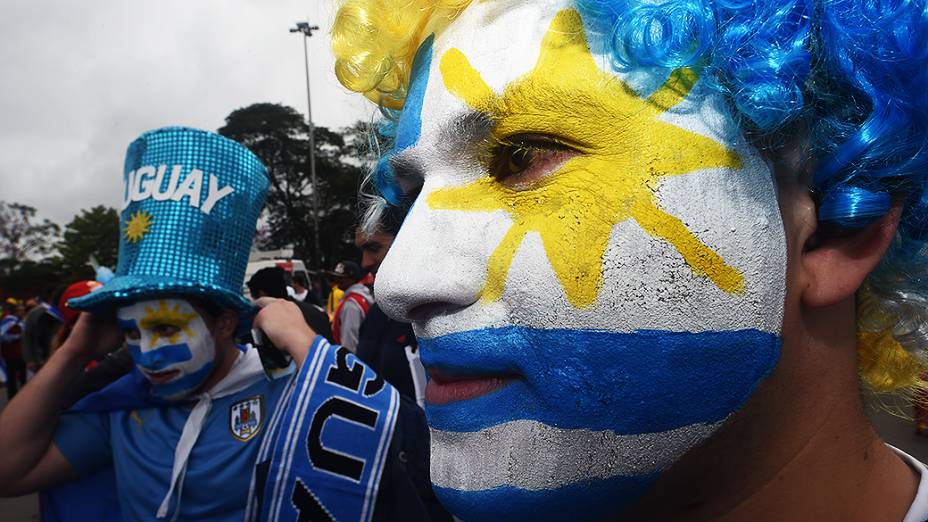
(140, 445)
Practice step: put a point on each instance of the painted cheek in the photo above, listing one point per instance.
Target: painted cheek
(135, 351)
(161, 357)
(437, 258)
(606, 400)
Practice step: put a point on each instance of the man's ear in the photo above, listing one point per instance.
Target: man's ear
(226, 324)
(834, 265)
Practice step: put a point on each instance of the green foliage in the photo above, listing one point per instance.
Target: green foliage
(93, 232)
(29, 278)
(279, 136)
(23, 240)
(23, 236)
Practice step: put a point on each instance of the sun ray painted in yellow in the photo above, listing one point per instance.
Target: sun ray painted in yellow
(169, 316)
(625, 152)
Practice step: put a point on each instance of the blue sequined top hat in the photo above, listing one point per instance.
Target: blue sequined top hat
(190, 205)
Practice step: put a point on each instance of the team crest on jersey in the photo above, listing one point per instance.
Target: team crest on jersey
(245, 418)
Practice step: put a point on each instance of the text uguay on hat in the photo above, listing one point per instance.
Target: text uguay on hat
(190, 206)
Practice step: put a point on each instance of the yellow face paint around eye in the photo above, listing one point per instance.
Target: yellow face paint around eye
(172, 316)
(626, 149)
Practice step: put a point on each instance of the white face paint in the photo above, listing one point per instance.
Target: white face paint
(591, 309)
(170, 344)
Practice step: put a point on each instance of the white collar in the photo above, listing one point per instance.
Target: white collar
(918, 511)
(245, 371)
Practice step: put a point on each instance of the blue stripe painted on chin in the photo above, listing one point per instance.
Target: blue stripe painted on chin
(638, 382)
(594, 500)
(185, 384)
(161, 357)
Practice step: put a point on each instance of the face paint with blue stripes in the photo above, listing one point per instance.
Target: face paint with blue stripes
(595, 265)
(170, 344)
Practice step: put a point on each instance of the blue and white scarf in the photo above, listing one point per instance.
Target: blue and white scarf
(326, 444)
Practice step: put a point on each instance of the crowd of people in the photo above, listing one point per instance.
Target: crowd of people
(350, 296)
(619, 261)
(32, 328)
(159, 341)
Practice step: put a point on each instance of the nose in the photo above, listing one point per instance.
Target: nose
(437, 264)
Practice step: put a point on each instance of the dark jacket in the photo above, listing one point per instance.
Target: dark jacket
(382, 346)
(315, 317)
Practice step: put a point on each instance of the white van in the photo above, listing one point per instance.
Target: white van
(281, 258)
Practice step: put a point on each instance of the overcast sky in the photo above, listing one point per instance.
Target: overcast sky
(79, 80)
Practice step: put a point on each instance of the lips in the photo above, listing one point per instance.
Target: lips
(161, 377)
(444, 388)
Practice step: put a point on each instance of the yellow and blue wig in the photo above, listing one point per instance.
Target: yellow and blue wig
(852, 72)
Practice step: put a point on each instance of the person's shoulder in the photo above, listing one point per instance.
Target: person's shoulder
(361, 291)
(305, 306)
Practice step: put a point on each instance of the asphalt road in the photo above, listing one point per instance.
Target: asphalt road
(895, 430)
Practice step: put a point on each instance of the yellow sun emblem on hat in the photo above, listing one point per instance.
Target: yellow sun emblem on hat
(137, 226)
(626, 150)
(167, 316)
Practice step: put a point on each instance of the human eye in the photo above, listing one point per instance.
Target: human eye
(165, 329)
(522, 159)
(132, 334)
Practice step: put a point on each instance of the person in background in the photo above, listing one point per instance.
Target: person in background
(315, 291)
(200, 429)
(68, 314)
(334, 297)
(300, 292)
(56, 503)
(182, 431)
(11, 330)
(40, 326)
(100, 371)
(354, 305)
(387, 345)
(271, 282)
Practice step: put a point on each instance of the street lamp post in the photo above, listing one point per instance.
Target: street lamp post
(307, 31)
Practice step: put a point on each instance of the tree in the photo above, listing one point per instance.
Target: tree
(279, 136)
(21, 236)
(29, 278)
(93, 232)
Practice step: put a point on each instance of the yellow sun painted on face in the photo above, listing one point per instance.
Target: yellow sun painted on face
(625, 150)
(137, 226)
(167, 316)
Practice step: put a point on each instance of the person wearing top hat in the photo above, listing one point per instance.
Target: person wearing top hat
(200, 429)
(354, 305)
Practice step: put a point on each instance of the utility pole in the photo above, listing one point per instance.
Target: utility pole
(307, 31)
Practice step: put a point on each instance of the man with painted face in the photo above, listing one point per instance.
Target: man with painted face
(354, 304)
(651, 244)
(191, 412)
(200, 430)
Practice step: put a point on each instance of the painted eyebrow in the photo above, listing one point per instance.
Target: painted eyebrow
(455, 137)
(467, 127)
(461, 139)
